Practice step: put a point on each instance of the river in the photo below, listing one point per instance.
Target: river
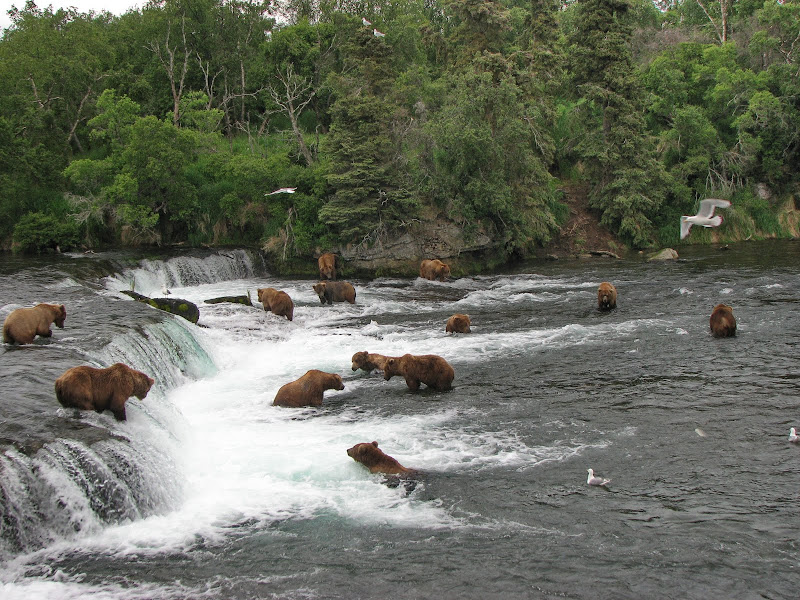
(208, 491)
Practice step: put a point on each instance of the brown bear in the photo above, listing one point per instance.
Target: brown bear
(90, 388)
(369, 362)
(278, 302)
(327, 266)
(722, 321)
(435, 270)
(375, 459)
(335, 291)
(606, 296)
(24, 324)
(458, 323)
(432, 370)
(308, 390)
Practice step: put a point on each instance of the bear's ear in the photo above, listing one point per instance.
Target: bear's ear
(375, 444)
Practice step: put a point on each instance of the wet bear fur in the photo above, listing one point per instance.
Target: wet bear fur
(606, 296)
(24, 324)
(278, 302)
(434, 270)
(430, 369)
(335, 291)
(308, 390)
(91, 388)
(327, 266)
(722, 321)
(375, 459)
(458, 323)
(369, 362)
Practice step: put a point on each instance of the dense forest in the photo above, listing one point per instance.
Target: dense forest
(171, 124)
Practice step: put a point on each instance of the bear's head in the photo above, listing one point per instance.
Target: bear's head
(391, 368)
(61, 316)
(141, 384)
(359, 360)
(444, 271)
(261, 293)
(366, 453)
(336, 383)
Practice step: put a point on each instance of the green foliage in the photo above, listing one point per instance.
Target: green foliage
(170, 123)
(37, 232)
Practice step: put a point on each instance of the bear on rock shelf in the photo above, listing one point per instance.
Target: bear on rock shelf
(90, 388)
(24, 324)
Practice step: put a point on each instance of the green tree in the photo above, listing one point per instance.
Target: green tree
(628, 181)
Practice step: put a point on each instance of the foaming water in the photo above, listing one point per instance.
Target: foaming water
(237, 498)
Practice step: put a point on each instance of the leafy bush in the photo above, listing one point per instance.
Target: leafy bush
(38, 232)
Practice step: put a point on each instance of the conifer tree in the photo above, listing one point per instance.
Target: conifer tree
(627, 180)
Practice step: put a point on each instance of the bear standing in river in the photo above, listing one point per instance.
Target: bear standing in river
(90, 388)
(24, 324)
(722, 321)
(434, 270)
(327, 266)
(458, 323)
(335, 291)
(308, 390)
(278, 302)
(606, 296)
(430, 369)
(375, 459)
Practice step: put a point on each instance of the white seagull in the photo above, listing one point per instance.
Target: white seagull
(705, 216)
(365, 22)
(377, 33)
(592, 480)
(793, 437)
(282, 191)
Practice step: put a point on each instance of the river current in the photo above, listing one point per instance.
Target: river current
(208, 491)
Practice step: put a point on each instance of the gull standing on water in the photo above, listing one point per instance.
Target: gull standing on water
(705, 216)
(592, 480)
(282, 191)
(793, 437)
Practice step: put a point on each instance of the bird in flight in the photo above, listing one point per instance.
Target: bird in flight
(705, 216)
(286, 190)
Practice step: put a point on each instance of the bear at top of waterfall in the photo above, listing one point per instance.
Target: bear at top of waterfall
(277, 302)
(458, 323)
(606, 296)
(91, 388)
(335, 291)
(369, 362)
(308, 389)
(722, 321)
(24, 324)
(375, 459)
(327, 266)
(430, 369)
(434, 270)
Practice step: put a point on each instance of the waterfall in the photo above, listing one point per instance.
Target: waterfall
(70, 487)
(152, 277)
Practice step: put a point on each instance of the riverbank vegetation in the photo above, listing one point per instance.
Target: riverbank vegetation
(172, 123)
